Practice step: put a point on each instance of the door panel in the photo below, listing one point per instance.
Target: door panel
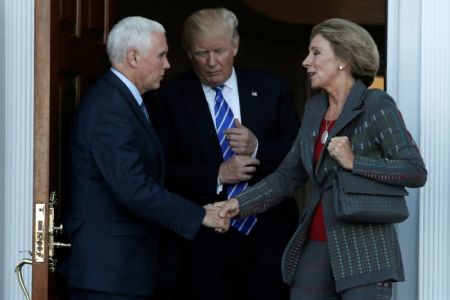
(70, 38)
(68, 14)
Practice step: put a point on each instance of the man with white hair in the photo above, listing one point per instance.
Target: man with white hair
(118, 208)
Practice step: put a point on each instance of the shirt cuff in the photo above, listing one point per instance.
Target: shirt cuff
(219, 187)
(256, 150)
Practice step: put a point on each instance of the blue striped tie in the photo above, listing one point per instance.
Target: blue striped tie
(224, 120)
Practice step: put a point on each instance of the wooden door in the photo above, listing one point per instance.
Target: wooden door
(70, 54)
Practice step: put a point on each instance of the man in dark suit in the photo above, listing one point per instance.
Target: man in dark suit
(234, 265)
(117, 209)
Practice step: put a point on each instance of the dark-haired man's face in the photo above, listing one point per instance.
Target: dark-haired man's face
(212, 58)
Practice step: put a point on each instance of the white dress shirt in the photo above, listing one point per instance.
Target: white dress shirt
(231, 95)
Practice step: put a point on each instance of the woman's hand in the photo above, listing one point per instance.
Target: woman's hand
(340, 149)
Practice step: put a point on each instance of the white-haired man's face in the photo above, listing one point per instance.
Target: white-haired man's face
(151, 65)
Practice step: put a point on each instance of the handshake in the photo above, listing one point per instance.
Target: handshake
(218, 215)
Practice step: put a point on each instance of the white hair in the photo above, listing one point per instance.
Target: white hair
(130, 32)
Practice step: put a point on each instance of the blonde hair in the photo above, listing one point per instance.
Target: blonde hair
(210, 21)
(353, 44)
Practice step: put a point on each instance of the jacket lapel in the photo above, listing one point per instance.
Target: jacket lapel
(128, 96)
(310, 129)
(249, 98)
(352, 108)
(194, 105)
(146, 123)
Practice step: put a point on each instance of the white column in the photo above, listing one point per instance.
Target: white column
(419, 79)
(2, 136)
(434, 227)
(403, 84)
(18, 47)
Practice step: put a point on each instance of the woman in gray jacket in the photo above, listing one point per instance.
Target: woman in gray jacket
(327, 258)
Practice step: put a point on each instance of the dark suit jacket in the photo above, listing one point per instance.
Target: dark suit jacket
(184, 124)
(117, 207)
(384, 151)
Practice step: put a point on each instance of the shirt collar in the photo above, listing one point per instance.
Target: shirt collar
(133, 89)
(230, 83)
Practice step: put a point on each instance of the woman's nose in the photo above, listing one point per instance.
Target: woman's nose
(305, 62)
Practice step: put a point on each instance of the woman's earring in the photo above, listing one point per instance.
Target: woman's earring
(341, 67)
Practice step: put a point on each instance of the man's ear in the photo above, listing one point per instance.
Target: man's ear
(235, 49)
(132, 57)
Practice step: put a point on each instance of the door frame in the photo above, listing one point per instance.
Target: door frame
(41, 143)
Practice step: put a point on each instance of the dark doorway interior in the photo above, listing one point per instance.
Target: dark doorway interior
(265, 43)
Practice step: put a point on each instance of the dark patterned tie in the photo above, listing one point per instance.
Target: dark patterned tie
(144, 110)
(224, 120)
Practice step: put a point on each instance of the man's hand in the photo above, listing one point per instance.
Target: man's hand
(242, 141)
(236, 169)
(213, 220)
(229, 208)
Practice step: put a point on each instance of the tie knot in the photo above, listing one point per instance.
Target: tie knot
(218, 89)
(219, 96)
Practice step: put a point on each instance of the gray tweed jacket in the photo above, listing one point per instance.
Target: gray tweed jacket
(384, 151)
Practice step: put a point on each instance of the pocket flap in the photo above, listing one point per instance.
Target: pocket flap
(355, 184)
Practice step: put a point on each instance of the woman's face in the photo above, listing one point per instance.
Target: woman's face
(322, 66)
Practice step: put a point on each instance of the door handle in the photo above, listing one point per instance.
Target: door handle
(40, 241)
(52, 231)
(42, 245)
(18, 271)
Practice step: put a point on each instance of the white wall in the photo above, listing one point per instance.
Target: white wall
(17, 48)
